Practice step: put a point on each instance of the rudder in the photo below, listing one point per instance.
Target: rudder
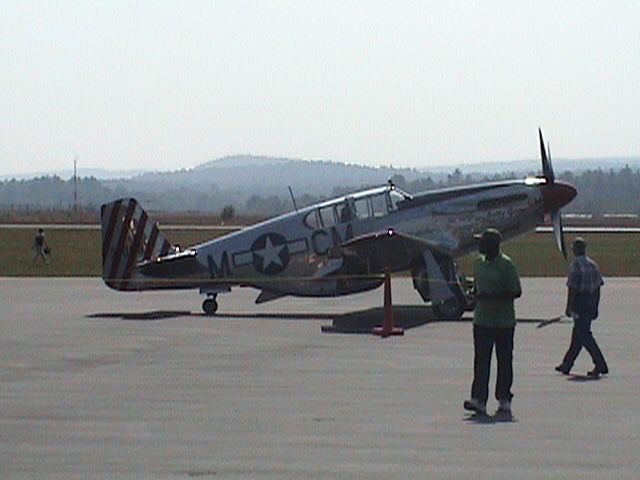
(129, 236)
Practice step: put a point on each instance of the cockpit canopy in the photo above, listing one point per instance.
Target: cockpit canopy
(373, 203)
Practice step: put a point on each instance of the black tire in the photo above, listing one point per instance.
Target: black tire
(451, 309)
(210, 306)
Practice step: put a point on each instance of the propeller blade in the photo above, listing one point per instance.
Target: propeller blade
(547, 169)
(549, 153)
(557, 232)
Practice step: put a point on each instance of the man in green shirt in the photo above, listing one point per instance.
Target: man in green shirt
(494, 320)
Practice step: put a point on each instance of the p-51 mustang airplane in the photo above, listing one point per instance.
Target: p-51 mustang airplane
(337, 247)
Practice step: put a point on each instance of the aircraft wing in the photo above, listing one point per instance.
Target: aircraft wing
(389, 248)
(397, 251)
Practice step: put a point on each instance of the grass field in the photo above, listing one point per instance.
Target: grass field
(76, 253)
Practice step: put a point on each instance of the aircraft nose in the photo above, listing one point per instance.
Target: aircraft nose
(556, 195)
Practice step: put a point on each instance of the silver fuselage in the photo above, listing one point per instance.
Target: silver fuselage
(299, 253)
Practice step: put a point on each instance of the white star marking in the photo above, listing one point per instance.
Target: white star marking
(270, 254)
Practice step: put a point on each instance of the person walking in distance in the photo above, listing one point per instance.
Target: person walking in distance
(583, 298)
(40, 247)
(497, 285)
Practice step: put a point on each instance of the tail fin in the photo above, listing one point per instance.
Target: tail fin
(128, 237)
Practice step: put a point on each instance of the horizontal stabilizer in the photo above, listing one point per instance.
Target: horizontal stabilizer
(174, 265)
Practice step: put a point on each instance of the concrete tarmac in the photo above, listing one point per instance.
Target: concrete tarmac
(99, 384)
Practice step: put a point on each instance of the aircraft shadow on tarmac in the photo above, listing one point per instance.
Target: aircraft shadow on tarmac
(144, 316)
(364, 321)
(356, 322)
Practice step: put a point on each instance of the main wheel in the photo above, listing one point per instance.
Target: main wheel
(209, 306)
(451, 309)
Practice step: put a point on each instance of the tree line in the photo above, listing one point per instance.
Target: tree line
(599, 191)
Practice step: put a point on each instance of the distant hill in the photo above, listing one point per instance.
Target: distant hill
(239, 164)
(259, 185)
(271, 176)
(243, 161)
(99, 173)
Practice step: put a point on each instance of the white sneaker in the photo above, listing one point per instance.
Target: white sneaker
(504, 406)
(475, 405)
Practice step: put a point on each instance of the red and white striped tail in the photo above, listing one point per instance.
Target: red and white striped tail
(129, 236)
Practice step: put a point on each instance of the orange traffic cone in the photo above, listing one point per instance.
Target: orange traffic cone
(388, 327)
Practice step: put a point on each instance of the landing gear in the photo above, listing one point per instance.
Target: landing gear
(452, 308)
(209, 306)
(450, 302)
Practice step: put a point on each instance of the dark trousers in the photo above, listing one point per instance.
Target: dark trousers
(484, 338)
(582, 337)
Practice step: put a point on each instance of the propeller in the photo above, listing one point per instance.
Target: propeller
(555, 195)
(558, 233)
(547, 169)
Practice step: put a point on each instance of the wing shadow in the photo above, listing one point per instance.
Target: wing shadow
(356, 322)
(363, 321)
(404, 316)
(144, 316)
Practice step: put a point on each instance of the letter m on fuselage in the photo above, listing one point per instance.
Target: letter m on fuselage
(219, 271)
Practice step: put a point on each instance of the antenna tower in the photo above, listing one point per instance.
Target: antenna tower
(75, 184)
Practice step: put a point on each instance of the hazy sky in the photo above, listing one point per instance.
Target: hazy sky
(166, 85)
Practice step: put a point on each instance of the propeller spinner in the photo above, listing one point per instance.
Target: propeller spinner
(555, 195)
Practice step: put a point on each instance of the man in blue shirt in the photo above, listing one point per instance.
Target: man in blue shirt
(583, 297)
